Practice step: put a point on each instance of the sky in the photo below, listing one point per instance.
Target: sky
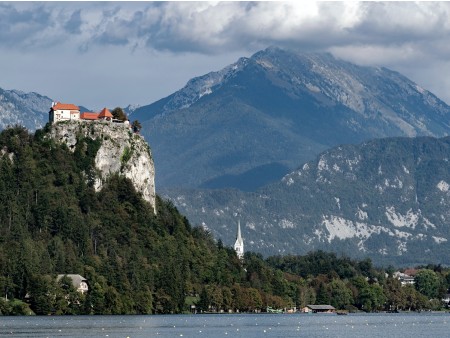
(109, 54)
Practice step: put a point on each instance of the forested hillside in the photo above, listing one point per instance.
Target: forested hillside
(53, 222)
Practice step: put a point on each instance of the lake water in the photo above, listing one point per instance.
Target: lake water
(235, 325)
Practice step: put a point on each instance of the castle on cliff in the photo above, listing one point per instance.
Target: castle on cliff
(70, 112)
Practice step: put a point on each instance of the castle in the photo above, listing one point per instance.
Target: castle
(69, 112)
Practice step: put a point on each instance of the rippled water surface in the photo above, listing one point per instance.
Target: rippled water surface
(236, 325)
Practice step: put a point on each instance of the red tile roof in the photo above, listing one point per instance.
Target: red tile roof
(105, 113)
(411, 272)
(65, 106)
(89, 116)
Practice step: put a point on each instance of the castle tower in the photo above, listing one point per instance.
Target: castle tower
(239, 244)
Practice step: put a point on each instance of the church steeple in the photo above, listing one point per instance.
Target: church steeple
(239, 244)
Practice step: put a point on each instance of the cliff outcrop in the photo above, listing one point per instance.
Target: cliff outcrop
(120, 152)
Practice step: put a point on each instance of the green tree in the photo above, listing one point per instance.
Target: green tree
(252, 299)
(203, 303)
(323, 294)
(305, 296)
(5, 307)
(227, 297)
(136, 125)
(113, 301)
(340, 294)
(43, 293)
(414, 300)
(428, 283)
(95, 299)
(145, 302)
(372, 298)
(119, 114)
(395, 294)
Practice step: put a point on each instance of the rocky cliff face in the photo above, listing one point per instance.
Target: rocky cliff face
(120, 151)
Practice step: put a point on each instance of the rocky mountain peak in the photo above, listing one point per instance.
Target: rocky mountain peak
(278, 109)
(200, 86)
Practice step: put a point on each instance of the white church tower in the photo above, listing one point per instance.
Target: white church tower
(239, 244)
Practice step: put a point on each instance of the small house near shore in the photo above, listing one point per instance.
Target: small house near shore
(319, 309)
(78, 282)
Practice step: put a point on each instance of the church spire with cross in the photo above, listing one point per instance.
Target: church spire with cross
(239, 244)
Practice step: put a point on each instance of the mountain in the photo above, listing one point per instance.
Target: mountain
(26, 109)
(279, 109)
(388, 199)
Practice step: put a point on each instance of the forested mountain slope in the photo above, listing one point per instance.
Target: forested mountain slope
(52, 221)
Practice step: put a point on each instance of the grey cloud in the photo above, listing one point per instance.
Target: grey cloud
(73, 25)
(401, 22)
(113, 31)
(213, 28)
(20, 26)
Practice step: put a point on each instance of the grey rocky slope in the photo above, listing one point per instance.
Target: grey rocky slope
(388, 199)
(26, 109)
(275, 110)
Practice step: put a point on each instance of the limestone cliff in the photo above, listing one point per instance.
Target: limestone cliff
(121, 151)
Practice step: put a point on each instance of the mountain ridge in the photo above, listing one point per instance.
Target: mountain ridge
(27, 109)
(385, 198)
(281, 107)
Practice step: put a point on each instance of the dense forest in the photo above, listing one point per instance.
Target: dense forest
(53, 222)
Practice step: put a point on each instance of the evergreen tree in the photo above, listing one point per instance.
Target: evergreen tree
(119, 114)
(136, 125)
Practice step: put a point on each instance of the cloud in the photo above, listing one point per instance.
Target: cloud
(19, 26)
(410, 37)
(73, 25)
(212, 28)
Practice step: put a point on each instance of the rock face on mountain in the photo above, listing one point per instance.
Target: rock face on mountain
(388, 199)
(278, 109)
(26, 109)
(120, 152)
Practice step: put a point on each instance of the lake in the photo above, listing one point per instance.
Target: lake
(234, 325)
